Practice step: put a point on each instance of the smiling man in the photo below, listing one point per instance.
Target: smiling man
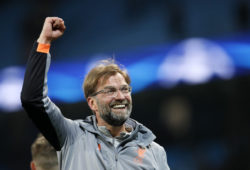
(107, 140)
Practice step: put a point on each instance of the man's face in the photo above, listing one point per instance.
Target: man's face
(114, 107)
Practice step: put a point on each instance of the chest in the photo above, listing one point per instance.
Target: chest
(98, 153)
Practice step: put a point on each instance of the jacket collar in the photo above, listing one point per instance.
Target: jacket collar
(141, 134)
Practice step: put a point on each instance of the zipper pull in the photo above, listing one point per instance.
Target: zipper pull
(116, 157)
(99, 146)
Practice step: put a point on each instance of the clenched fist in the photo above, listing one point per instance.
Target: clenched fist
(53, 28)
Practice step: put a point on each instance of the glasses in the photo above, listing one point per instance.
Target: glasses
(112, 91)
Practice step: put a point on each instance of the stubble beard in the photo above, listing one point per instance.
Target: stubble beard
(112, 118)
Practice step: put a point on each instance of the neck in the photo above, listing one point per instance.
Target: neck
(114, 130)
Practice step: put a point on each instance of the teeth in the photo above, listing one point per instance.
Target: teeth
(118, 106)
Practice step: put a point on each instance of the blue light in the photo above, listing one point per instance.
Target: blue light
(143, 73)
(65, 88)
(190, 61)
(239, 53)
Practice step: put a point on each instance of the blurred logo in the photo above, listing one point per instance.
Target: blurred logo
(195, 61)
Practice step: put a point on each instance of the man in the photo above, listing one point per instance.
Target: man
(108, 139)
(43, 155)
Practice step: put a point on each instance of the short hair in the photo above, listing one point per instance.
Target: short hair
(104, 69)
(43, 154)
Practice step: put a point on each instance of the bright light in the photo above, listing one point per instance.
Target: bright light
(10, 89)
(195, 61)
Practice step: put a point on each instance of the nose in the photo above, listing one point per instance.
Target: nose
(119, 95)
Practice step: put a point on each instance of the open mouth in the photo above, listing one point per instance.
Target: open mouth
(118, 106)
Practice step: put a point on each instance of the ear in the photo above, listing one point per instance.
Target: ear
(32, 165)
(92, 103)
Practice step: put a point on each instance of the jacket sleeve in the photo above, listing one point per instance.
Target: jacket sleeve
(43, 112)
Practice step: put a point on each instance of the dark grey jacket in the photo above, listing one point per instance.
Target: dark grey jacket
(80, 145)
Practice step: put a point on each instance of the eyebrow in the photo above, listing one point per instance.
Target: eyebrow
(109, 87)
(112, 87)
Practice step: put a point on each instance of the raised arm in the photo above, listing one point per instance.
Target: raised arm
(44, 113)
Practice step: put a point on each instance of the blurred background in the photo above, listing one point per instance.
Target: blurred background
(189, 62)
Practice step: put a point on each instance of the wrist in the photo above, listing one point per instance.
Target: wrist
(43, 48)
(43, 40)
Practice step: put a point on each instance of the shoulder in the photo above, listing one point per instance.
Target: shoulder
(158, 151)
(156, 147)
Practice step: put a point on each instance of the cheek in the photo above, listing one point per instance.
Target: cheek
(129, 98)
(104, 102)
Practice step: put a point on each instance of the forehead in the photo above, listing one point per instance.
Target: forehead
(114, 80)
